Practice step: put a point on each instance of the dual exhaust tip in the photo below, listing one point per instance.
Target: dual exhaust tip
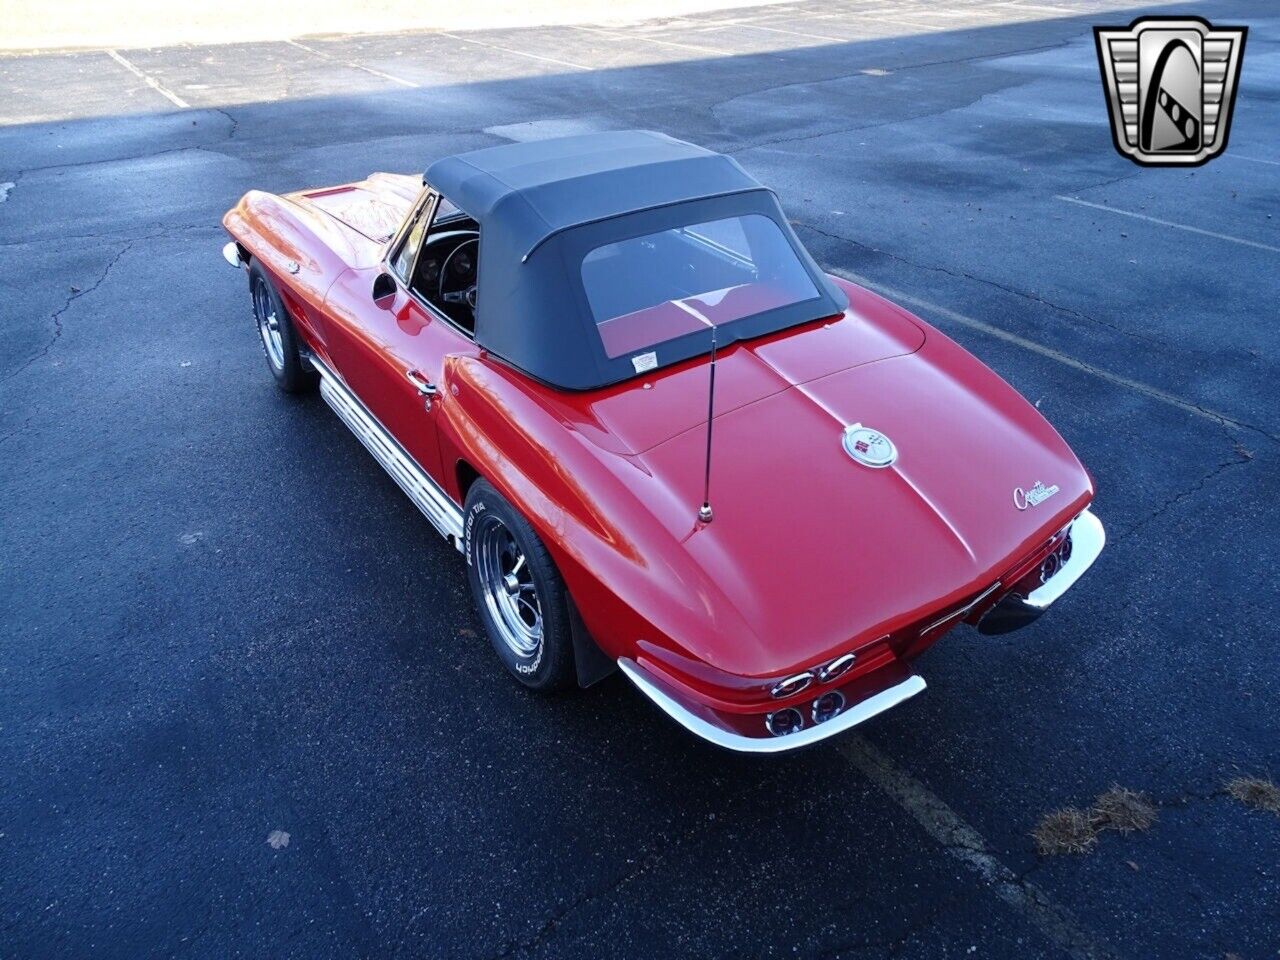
(791, 720)
(1056, 560)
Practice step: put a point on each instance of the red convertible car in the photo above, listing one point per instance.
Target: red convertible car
(665, 441)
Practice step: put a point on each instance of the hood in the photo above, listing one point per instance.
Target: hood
(372, 209)
(814, 549)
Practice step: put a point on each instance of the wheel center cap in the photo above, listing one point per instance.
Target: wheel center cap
(512, 584)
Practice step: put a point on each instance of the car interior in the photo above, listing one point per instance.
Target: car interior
(649, 289)
(445, 267)
(628, 276)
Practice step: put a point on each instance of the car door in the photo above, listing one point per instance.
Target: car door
(389, 346)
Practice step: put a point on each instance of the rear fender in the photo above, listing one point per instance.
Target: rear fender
(628, 577)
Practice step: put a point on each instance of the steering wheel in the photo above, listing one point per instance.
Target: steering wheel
(458, 274)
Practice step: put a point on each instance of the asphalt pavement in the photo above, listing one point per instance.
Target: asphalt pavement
(246, 709)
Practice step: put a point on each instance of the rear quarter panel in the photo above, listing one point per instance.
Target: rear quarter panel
(592, 509)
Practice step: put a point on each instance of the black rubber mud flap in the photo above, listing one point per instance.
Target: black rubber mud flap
(590, 661)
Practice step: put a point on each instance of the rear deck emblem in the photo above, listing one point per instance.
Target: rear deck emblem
(1037, 495)
(1170, 85)
(869, 447)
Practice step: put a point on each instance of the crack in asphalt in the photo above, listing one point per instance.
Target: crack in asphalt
(963, 275)
(117, 235)
(1242, 457)
(858, 74)
(894, 945)
(959, 839)
(124, 159)
(230, 135)
(642, 865)
(1028, 344)
(552, 923)
(762, 144)
(1188, 797)
(1108, 182)
(75, 294)
(235, 124)
(57, 315)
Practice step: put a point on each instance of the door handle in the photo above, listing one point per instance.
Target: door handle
(425, 387)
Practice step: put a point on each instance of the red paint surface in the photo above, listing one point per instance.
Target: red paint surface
(810, 555)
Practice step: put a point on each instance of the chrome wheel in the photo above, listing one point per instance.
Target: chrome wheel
(506, 582)
(268, 324)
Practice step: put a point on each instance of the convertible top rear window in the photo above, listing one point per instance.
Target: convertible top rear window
(607, 255)
(647, 290)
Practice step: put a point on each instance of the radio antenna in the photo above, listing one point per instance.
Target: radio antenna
(704, 512)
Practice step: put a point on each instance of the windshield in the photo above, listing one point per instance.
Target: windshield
(654, 288)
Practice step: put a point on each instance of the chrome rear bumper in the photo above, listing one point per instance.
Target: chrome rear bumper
(688, 716)
(1016, 610)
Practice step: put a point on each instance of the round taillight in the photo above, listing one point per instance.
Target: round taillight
(827, 706)
(791, 686)
(782, 722)
(836, 667)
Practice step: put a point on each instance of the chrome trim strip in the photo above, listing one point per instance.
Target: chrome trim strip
(415, 212)
(837, 667)
(792, 685)
(426, 494)
(858, 713)
(963, 611)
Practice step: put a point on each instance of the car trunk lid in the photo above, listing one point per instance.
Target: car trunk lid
(641, 413)
(882, 547)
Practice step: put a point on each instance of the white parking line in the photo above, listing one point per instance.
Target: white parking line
(1236, 156)
(796, 33)
(1155, 393)
(964, 843)
(518, 53)
(902, 17)
(352, 64)
(151, 82)
(1042, 8)
(665, 43)
(1169, 223)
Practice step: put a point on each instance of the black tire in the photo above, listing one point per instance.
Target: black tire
(549, 665)
(280, 341)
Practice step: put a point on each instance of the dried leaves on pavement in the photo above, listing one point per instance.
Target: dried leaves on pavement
(1123, 809)
(1068, 830)
(1256, 792)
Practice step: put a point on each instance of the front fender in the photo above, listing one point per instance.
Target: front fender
(301, 253)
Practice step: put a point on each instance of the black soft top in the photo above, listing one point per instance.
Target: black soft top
(543, 205)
